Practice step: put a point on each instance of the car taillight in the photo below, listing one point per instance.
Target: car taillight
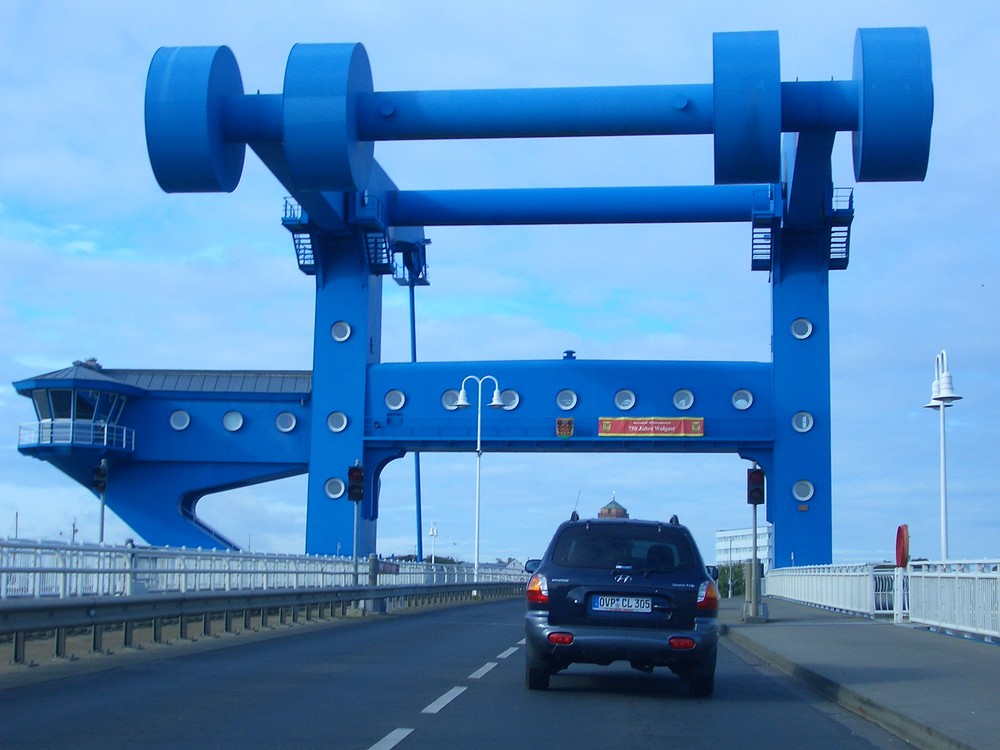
(708, 596)
(538, 589)
(560, 639)
(681, 643)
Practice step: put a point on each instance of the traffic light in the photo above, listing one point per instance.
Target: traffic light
(100, 480)
(355, 483)
(755, 486)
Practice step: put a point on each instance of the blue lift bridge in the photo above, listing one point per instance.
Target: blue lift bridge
(152, 443)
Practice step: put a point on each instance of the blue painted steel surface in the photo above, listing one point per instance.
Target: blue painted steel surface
(317, 138)
(747, 95)
(893, 138)
(185, 93)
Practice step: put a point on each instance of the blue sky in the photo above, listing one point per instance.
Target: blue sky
(97, 261)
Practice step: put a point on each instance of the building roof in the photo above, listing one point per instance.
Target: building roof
(191, 381)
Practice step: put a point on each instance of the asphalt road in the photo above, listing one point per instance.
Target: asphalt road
(451, 678)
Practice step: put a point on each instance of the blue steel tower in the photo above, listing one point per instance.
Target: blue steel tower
(352, 227)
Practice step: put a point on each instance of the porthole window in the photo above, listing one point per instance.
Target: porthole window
(802, 421)
(449, 399)
(566, 399)
(340, 331)
(683, 399)
(742, 399)
(625, 399)
(180, 420)
(803, 490)
(232, 420)
(802, 328)
(395, 399)
(336, 421)
(334, 488)
(285, 421)
(510, 399)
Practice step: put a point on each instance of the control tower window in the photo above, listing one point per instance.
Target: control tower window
(42, 407)
(62, 404)
(85, 404)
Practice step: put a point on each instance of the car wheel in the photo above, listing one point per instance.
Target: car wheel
(536, 678)
(701, 685)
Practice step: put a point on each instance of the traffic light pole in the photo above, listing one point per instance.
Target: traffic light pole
(357, 507)
(754, 580)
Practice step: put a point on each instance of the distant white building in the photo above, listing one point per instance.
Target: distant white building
(735, 546)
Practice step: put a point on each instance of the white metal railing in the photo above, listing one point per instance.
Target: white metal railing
(963, 596)
(58, 570)
(76, 432)
(864, 589)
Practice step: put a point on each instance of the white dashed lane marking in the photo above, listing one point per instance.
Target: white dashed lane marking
(444, 700)
(482, 670)
(509, 652)
(391, 740)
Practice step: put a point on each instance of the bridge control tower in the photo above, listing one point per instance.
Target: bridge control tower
(352, 226)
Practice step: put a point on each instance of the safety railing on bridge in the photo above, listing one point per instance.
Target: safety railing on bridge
(37, 569)
(956, 596)
(55, 589)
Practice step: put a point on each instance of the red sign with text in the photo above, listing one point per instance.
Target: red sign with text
(651, 427)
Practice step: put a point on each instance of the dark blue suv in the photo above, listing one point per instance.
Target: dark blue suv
(622, 590)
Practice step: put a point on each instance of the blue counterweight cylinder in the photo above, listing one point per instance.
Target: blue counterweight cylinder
(893, 70)
(186, 90)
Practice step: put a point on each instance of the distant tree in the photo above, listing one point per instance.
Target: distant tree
(739, 582)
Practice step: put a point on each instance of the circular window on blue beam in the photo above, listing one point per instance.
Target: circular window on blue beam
(803, 490)
(336, 421)
(742, 399)
(232, 420)
(625, 399)
(683, 399)
(566, 399)
(449, 399)
(510, 399)
(334, 488)
(340, 331)
(285, 421)
(802, 421)
(180, 420)
(802, 328)
(395, 399)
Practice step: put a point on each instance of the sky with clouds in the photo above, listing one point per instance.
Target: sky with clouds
(98, 262)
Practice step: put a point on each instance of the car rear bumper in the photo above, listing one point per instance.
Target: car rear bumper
(594, 644)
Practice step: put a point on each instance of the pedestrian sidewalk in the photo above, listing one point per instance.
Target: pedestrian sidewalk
(931, 689)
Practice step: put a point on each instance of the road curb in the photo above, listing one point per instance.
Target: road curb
(906, 728)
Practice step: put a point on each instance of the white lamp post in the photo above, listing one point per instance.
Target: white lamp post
(462, 403)
(942, 396)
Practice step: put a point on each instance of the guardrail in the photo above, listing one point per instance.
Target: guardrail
(57, 588)
(38, 569)
(59, 617)
(956, 596)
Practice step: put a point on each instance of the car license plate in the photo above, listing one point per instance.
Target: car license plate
(621, 604)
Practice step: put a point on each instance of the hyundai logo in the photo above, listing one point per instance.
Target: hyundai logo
(622, 578)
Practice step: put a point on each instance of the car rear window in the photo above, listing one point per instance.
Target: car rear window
(649, 547)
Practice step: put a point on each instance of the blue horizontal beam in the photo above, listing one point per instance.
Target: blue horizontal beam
(547, 113)
(610, 205)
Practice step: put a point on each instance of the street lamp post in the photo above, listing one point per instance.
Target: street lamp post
(462, 403)
(942, 396)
